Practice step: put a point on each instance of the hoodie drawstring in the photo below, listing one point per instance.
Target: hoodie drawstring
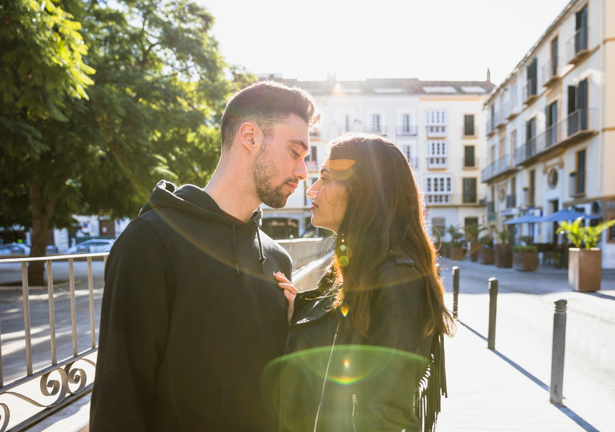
(260, 248)
(235, 248)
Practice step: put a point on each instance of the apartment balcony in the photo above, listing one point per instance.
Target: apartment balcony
(437, 162)
(495, 169)
(499, 120)
(577, 47)
(376, 129)
(550, 72)
(506, 109)
(530, 93)
(438, 198)
(490, 127)
(513, 111)
(414, 162)
(436, 131)
(490, 207)
(406, 131)
(511, 201)
(315, 134)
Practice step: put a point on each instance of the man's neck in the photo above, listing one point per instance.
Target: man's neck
(233, 193)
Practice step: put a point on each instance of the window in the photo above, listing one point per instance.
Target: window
(580, 35)
(469, 190)
(551, 116)
(469, 221)
(552, 178)
(553, 71)
(532, 188)
(531, 82)
(515, 96)
(468, 156)
(407, 150)
(438, 189)
(530, 138)
(468, 125)
(580, 179)
(438, 227)
(407, 124)
(577, 108)
(435, 117)
(437, 152)
(313, 156)
(376, 123)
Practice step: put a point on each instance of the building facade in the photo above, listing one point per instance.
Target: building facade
(439, 126)
(551, 127)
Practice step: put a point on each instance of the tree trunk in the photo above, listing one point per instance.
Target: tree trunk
(41, 204)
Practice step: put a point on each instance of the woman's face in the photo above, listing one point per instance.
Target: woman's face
(329, 198)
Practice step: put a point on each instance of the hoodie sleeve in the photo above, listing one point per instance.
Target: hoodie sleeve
(135, 315)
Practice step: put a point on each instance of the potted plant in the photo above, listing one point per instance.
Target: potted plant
(503, 252)
(487, 253)
(456, 249)
(472, 233)
(584, 265)
(525, 258)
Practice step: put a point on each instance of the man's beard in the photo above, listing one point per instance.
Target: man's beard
(262, 172)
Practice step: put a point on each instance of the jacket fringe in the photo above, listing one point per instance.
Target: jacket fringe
(432, 386)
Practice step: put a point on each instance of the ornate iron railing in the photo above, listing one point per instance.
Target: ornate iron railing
(59, 382)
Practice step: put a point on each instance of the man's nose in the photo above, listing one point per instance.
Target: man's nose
(301, 171)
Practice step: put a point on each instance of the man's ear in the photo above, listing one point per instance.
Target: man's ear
(250, 136)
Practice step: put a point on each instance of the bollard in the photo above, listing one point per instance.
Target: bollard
(493, 309)
(455, 292)
(557, 356)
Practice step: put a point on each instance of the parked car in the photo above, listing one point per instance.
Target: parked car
(15, 249)
(92, 246)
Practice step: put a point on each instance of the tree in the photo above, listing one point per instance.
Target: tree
(152, 113)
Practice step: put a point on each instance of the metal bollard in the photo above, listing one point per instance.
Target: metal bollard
(557, 356)
(493, 309)
(455, 292)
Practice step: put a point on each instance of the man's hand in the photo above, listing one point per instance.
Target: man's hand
(289, 292)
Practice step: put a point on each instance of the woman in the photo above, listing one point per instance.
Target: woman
(360, 343)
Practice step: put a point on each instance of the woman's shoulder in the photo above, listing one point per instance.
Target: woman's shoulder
(397, 268)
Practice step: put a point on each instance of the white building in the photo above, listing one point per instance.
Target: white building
(438, 125)
(551, 126)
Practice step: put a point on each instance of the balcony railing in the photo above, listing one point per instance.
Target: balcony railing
(506, 106)
(496, 168)
(490, 126)
(435, 131)
(530, 91)
(437, 162)
(496, 118)
(414, 162)
(550, 72)
(577, 125)
(406, 130)
(577, 46)
(438, 199)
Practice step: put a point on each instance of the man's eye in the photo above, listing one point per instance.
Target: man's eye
(295, 154)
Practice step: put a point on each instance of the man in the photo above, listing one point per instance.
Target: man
(191, 312)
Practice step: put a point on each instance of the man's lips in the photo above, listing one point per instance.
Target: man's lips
(293, 186)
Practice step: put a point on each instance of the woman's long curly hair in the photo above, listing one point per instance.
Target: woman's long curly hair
(384, 213)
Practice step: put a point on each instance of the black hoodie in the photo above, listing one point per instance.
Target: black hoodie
(191, 314)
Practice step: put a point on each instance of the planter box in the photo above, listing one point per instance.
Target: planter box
(457, 253)
(487, 256)
(525, 261)
(503, 256)
(474, 248)
(584, 269)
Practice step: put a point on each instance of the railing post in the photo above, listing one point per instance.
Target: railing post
(493, 309)
(557, 356)
(455, 292)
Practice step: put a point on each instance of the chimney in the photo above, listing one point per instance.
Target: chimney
(488, 75)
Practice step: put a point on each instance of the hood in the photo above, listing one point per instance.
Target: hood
(195, 201)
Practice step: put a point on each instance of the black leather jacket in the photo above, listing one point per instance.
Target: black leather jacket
(336, 380)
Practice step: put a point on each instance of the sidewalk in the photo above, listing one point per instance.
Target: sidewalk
(508, 389)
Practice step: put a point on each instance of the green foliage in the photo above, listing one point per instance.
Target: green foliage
(486, 241)
(525, 248)
(528, 240)
(73, 145)
(588, 235)
(473, 232)
(504, 236)
(456, 244)
(455, 232)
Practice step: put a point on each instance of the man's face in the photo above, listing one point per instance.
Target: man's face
(279, 165)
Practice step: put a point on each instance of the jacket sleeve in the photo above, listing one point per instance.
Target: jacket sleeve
(386, 402)
(135, 314)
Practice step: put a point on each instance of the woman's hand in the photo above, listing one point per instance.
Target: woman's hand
(289, 292)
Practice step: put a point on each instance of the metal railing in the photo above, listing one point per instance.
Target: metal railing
(436, 162)
(530, 90)
(60, 382)
(406, 130)
(435, 131)
(581, 121)
(577, 45)
(496, 168)
(550, 71)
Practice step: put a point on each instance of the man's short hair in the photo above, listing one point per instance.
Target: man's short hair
(266, 103)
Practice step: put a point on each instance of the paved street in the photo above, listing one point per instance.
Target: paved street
(508, 389)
